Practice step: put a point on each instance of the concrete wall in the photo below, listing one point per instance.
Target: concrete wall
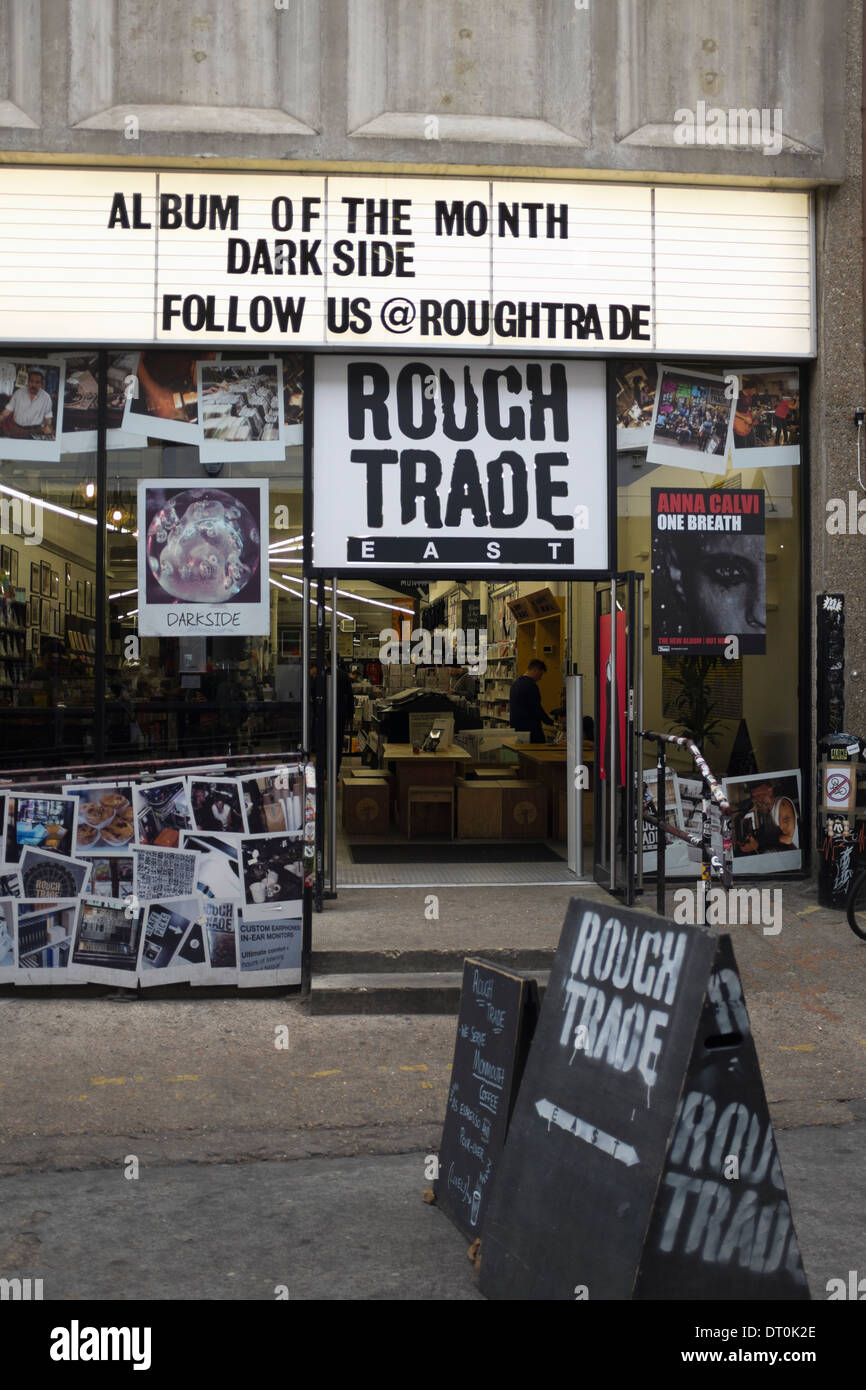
(549, 84)
(839, 561)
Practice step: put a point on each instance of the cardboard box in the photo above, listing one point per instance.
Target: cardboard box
(366, 805)
(479, 810)
(524, 810)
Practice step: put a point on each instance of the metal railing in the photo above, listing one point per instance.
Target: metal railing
(711, 791)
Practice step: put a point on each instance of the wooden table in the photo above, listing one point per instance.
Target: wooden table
(421, 770)
(546, 763)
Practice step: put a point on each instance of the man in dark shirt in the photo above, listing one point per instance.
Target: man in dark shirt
(524, 703)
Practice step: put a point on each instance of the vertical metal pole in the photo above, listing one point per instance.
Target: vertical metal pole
(334, 733)
(101, 542)
(321, 742)
(574, 763)
(305, 667)
(706, 848)
(638, 743)
(662, 839)
(613, 715)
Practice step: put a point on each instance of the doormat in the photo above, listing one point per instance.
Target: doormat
(478, 852)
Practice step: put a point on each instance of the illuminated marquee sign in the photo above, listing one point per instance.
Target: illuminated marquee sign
(308, 260)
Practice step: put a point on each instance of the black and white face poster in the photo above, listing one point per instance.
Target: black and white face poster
(708, 571)
(200, 567)
(460, 464)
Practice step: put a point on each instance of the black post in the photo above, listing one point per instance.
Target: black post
(320, 705)
(101, 542)
(662, 839)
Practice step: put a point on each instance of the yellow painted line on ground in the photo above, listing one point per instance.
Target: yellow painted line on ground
(806, 910)
(419, 1067)
(182, 1078)
(335, 1072)
(107, 1080)
(798, 1047)
(427, 1085)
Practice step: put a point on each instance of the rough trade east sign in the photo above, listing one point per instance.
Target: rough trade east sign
(460, 464)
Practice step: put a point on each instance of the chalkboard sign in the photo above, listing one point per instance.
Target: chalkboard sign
(498, 1012)
(722, 1226)
(577, 1179)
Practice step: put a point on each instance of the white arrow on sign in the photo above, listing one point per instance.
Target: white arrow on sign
(589, 1133)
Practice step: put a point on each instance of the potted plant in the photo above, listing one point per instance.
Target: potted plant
(692, 705)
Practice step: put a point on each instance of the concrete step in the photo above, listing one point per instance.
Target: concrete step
(393, 992)
(426, 960)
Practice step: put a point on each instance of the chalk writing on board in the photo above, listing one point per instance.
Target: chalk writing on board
(492, 1037)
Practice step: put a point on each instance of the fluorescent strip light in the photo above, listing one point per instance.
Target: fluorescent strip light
(377, 602)
(123, 593)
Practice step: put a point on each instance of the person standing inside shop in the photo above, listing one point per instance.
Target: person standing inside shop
(524, 703)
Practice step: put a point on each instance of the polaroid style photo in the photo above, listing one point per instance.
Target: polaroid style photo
(269, 949)
(765, 422)
(44, 874)
(106, 817)
(161, 812)
(31, 408)
(166, 924)
(217, 805)
(7, 940)
(44, 936)
(164, 873)
(272, 873)
(690, 422)
(162, 402)
(767, 825)
(220, 941)
(107, 939)
(202, 558)
(40, 822)
(241, 410)
(218, 873)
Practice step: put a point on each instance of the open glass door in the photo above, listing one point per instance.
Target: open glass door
(618, 696)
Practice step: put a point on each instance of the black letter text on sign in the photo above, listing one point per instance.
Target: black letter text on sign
(578, 1177)
(498, 1011)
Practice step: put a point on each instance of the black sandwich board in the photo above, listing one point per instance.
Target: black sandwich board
(498, 1012)
(640, 1013)
(721, 1226)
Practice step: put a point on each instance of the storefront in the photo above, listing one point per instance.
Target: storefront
(569, 380)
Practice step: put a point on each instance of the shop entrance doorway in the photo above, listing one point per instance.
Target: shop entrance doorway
(430, 783)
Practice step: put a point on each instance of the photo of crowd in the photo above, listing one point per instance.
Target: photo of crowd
(692, 415)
